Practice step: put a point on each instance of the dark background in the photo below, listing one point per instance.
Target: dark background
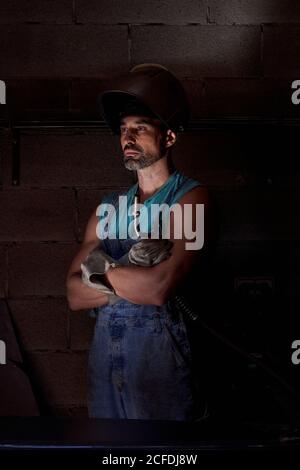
(236, 60)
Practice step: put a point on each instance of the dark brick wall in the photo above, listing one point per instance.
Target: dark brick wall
(236, 60)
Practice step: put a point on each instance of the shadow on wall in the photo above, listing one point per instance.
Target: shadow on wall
(17, 397)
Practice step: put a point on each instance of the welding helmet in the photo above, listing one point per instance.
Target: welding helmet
(148, 90)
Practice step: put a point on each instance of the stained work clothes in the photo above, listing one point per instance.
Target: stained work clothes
(140, 358)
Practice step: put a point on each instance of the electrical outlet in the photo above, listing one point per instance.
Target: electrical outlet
(254, 286)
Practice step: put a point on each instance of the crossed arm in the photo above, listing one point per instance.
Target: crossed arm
(141, 285)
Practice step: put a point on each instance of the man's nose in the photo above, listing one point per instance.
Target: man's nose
(129, 136)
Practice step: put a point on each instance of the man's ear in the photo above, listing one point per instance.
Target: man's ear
(170, 138)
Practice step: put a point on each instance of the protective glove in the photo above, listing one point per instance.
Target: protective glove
(96, 264)
(94, 281)
(148, 252)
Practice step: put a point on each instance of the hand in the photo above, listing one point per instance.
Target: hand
(98, 262)
(94, 281)
(148, 252)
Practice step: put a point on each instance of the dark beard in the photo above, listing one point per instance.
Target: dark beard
(143, 160)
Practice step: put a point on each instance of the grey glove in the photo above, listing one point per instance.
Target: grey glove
(94, 281)
(148, 252)
(96, 264)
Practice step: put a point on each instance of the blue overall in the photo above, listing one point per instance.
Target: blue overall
(140, 358)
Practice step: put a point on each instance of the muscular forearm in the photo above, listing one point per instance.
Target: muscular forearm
(139, 285)
(81, 296)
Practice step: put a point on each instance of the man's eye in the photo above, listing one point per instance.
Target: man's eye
(123, 130)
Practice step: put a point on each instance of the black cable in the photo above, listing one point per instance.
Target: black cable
(187, 310)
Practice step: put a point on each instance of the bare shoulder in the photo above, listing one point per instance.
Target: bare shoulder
(199, 194)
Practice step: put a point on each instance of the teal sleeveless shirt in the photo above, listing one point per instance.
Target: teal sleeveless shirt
(116, 210)
(170, 193)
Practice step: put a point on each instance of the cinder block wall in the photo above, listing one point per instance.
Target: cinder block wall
(237, 59)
